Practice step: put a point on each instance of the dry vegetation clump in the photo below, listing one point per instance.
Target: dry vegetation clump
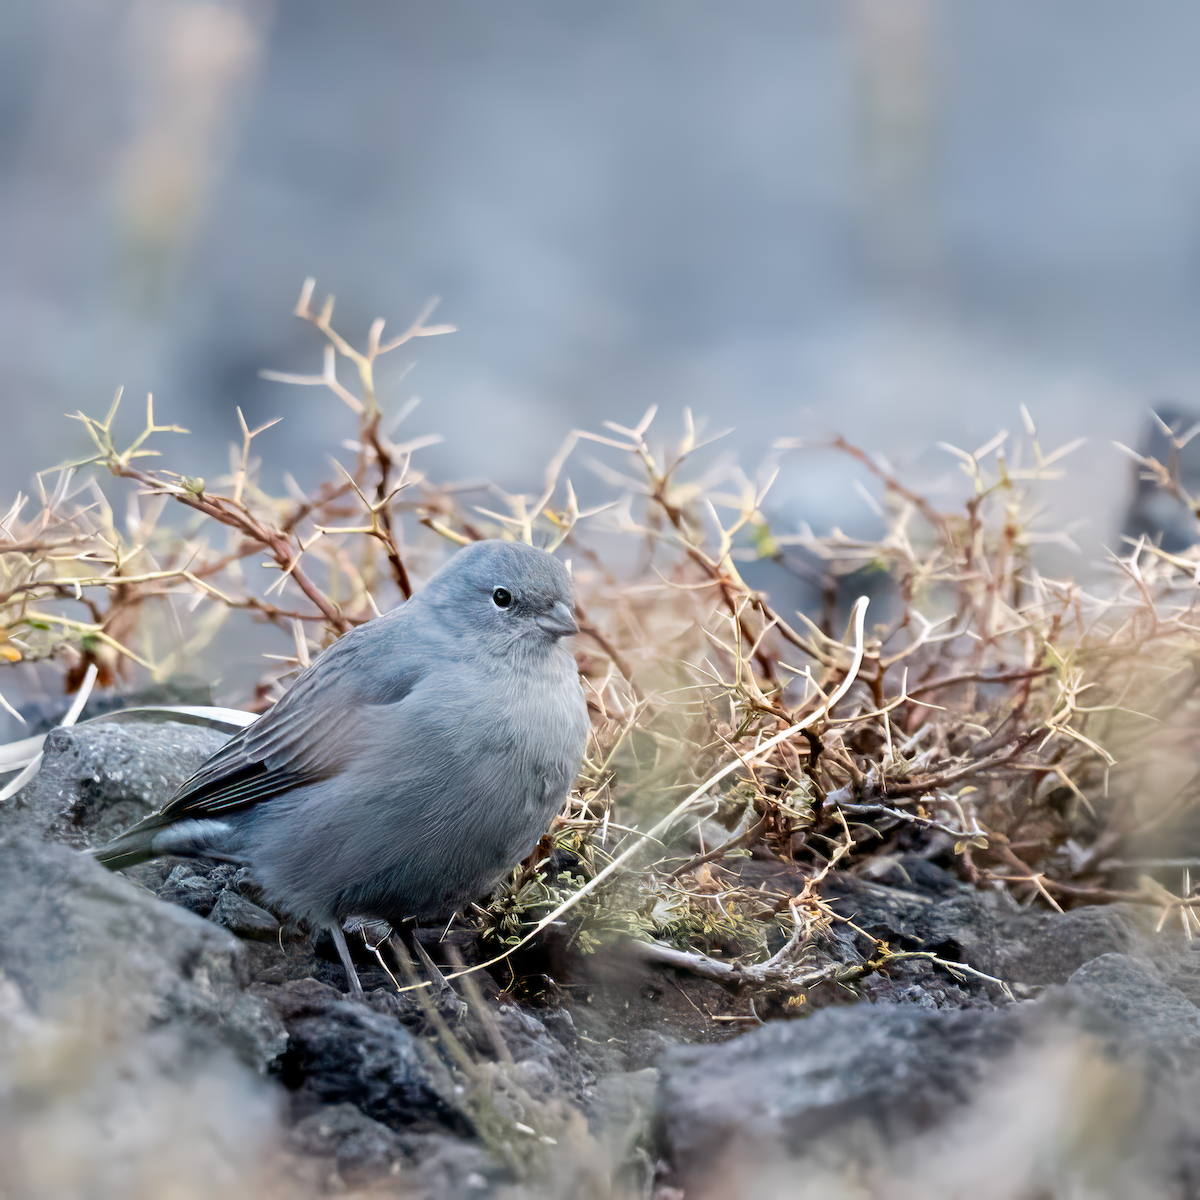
(1017, 729)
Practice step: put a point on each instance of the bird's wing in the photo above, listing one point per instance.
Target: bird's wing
(311, 734)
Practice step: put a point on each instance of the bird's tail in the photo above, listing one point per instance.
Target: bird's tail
(134, 846)
(156, 836)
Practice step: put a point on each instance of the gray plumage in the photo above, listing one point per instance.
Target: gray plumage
(419, 757)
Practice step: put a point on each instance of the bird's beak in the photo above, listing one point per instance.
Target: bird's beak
(559, 621)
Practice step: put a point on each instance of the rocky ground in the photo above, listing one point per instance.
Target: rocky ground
(160, 1033)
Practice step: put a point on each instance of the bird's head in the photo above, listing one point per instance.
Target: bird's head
(507, 591)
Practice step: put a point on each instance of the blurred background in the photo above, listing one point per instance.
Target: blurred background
(896, 219)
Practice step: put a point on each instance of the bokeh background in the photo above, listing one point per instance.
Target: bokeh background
(898, 219)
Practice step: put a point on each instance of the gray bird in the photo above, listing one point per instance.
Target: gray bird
(419, 757)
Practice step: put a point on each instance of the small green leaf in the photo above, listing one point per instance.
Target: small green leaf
(764, 543)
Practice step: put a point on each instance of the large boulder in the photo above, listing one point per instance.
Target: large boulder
(1089, 1088)
(129, 1051)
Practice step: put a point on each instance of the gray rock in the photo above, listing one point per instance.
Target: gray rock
(1177, 960)
(197, 886)
(72, 928)
(156, 1054)
(72, 932)
(809, 1085)
(364, 1149)
(342, 1052)
(1047, 947)
(448, 1168)
(1113, 1057)
(920, 982)
(1018, 946)
(542, 1064)
(242, 916)
(95, 1104)
(96, 780)
(1149, 1011)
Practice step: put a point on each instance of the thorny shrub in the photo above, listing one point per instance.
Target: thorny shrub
(1012, 726)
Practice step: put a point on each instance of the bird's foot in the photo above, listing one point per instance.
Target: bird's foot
(447, 1001)
(450, 1004)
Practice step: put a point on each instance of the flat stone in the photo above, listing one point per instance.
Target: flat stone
(243, 917)
(1018, 946)
(97, 780)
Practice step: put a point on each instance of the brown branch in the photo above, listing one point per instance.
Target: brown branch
(977, 677)
(64, 590)
(371, 437)
(922, 505)
(218, 565)
(735, 975)
(726, 587)
(928, 783)
(223, 511)
(746, 839)
(618, 660)
(328, 494)
(254, 604)
(38, 546)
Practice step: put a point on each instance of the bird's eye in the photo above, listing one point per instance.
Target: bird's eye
(502, 597)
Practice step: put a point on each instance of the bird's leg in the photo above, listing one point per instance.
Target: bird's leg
(440, 984)
(443, 994)
(339, 940)
(446, 996)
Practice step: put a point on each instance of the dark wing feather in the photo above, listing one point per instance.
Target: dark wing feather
(312, 732)
(236, 790)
